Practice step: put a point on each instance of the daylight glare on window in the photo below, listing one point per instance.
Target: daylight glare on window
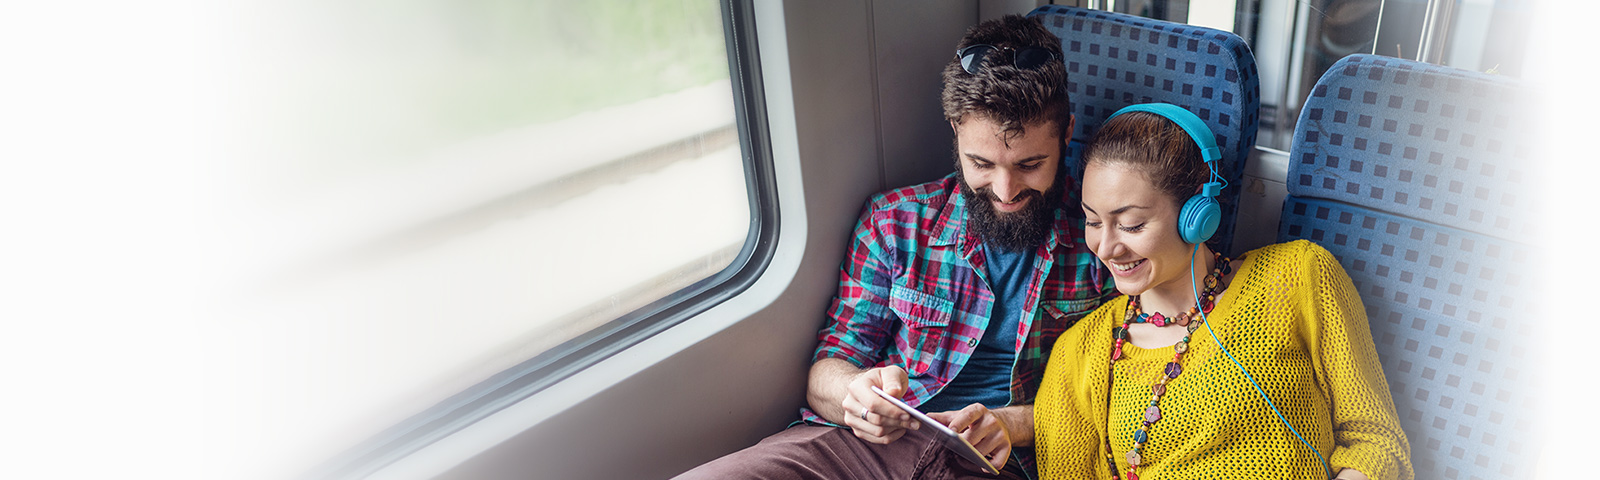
(1295, 41)
(420, 194)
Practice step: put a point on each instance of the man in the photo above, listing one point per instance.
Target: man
(954, 290)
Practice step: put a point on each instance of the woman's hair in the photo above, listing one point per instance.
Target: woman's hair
(1012, 97)
(1154, 145)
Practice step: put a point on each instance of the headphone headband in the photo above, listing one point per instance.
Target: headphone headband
(1188, 121)
(1201, 214)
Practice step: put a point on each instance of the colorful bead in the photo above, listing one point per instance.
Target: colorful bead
(1191, 320)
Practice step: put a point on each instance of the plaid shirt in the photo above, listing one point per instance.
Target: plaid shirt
(913, 291)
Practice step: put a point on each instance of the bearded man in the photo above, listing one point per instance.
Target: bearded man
(954, 290)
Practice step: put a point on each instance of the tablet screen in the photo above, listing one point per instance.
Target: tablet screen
(946, 436)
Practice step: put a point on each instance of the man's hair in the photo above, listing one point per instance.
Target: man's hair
(1012, 97)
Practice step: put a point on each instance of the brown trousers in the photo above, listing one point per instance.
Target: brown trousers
(805, 452)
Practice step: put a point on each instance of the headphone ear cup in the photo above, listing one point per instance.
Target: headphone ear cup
(1199, 218)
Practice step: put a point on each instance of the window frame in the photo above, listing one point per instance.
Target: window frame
(572, 356)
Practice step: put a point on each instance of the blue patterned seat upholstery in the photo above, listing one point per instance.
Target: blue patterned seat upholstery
(1412, 174)
(1115, 60)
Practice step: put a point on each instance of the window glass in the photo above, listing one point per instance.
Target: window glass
(1295, 41)
(1489, 35)
(420, 194)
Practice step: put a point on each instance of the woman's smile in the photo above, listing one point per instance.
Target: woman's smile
(1125, 269)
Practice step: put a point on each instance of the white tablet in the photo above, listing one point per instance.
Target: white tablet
(951, 440)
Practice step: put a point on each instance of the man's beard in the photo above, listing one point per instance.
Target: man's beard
(1019, 231)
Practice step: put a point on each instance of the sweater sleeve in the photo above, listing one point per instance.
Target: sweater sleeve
(1367, 435)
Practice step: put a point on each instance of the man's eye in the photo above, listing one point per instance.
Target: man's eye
(1031, 166)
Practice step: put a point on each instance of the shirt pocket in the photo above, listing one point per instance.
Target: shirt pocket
(1056, 316)
(927, 321)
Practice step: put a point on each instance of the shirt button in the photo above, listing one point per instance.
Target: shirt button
(973, 342)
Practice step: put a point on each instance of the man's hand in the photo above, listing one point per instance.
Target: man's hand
(871, 417)
(989, 431)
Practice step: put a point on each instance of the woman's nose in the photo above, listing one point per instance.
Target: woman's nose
(1109, 242)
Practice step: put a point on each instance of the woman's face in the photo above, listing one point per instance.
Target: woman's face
(1132, 227)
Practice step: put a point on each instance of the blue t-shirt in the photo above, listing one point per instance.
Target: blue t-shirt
(986, 377)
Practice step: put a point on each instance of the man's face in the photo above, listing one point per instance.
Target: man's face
(1012, 185)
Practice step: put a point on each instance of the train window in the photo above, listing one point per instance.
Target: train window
(441, 203)
(1295, 41)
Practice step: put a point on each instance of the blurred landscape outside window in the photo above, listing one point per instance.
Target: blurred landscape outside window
(419, 194)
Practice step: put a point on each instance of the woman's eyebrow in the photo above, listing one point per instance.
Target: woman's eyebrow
(1113, 212)
(1126, 208)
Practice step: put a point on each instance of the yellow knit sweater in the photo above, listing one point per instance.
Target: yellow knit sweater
(1293, 319)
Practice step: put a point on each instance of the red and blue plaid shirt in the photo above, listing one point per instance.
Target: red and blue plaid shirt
(913, 292)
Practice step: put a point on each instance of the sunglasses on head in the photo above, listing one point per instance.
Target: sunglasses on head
(973, 57)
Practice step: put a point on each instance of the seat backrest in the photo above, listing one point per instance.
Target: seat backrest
(1114, 60)
(1410, 173)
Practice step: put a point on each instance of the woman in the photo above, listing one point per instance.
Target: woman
(1143, 388)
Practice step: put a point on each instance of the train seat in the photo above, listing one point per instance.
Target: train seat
(1114, 60)
(1413, 176)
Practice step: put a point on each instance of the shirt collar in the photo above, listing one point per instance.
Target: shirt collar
(953, 218)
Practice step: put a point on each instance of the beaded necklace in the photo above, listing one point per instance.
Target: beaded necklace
(1190, 320)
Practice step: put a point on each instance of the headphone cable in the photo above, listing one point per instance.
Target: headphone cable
(1326, 469)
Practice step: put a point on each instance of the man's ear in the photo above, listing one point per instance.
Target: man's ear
(953, 128)
(1066, 135)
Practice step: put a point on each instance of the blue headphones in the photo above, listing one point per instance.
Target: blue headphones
(1198, 221)
(1201, 213)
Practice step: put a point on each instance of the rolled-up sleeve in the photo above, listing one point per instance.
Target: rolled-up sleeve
(1366, 430)
(859, 323)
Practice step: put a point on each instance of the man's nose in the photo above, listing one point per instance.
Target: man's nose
(1005, 187)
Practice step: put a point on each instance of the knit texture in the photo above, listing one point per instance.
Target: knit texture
(1293, 319)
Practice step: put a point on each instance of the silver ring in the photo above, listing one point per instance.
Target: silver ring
(863, 414)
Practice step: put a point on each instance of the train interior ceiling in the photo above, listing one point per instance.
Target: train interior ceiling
(571, 240)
